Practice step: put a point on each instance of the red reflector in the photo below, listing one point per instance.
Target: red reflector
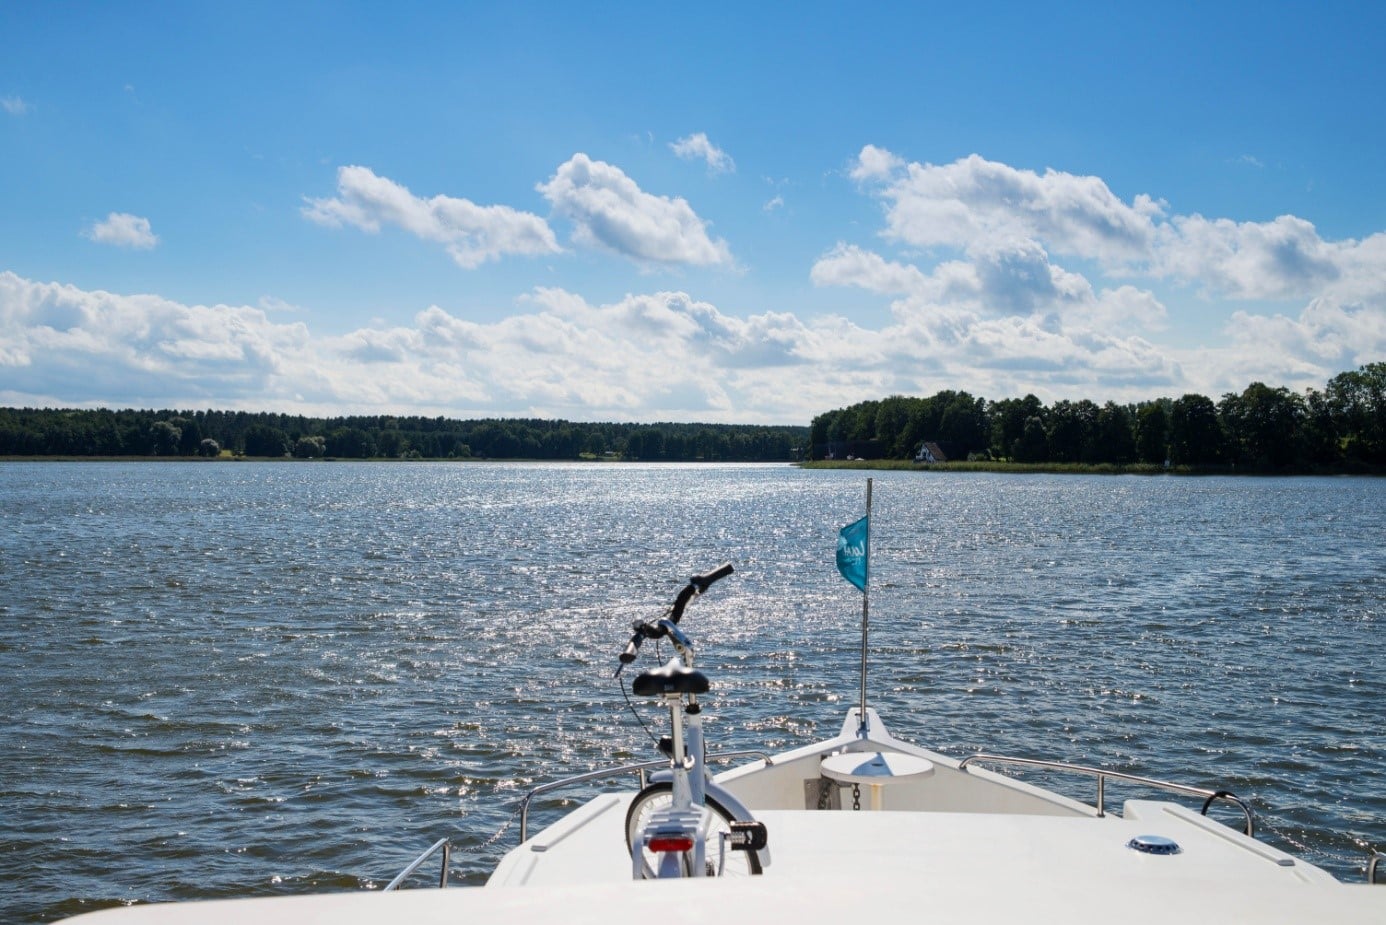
(671, 843)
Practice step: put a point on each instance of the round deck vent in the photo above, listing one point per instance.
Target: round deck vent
(1153, 844)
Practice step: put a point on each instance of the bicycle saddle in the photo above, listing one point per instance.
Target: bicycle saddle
(673, 678)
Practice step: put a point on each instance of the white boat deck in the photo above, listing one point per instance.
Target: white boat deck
(936, 846)
(967, 846)
(835, 866)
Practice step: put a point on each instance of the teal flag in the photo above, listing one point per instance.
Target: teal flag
(853, 551)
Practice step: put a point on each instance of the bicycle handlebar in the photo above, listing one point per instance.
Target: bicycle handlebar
(698, 584)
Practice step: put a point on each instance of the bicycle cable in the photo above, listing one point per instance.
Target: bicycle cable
(629, 703)
(636, 713)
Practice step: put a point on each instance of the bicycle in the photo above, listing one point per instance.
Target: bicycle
(683, 824)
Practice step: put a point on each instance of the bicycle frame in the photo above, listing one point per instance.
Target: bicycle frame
(677, 834)
(683, 820)
(694, 777)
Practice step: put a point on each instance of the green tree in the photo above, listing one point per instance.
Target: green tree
(350, 443)
(1033, 445)
(1115, 439)
(1195, 434)
(314, 447)
(1008, 420)
(1152, 432)
(190, 440)
(1071, 426)
(1265, 426)
(264, 440)
(964, 425)
(390, 443)
(1357, 405)
(892, 428)
(164, 439)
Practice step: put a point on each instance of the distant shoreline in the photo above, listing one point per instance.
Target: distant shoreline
(868, 465)
(468, 460)
(892, 465)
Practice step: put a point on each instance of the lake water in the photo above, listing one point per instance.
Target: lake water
(241, 679)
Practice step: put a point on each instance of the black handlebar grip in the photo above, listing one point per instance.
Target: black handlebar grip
(696, 585)
(703, 582)
(628, 656)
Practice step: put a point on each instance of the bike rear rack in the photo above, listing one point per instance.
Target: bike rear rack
(1103, 775)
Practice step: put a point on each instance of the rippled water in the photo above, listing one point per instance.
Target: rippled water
(228, 680)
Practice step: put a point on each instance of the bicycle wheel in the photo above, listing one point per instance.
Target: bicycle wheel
(659, 796)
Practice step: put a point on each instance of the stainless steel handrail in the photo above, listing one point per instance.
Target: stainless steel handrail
(1102, 775)
(640, 769)
(1371, 866)
(442, 843)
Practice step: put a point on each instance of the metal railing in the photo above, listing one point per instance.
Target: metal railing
(1103, 775)
(1371, 866)
(442, 844)
(640, 769)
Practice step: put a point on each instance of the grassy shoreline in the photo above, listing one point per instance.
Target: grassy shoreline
(1070, 468)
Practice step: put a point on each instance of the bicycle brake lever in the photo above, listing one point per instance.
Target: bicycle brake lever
(642, 632)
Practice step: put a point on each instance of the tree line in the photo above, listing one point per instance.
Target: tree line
(103, 432)
(1341, 427)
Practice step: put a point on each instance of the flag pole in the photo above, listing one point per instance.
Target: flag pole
(865, 609)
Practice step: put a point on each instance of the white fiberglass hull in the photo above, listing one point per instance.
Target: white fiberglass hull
(964, 844)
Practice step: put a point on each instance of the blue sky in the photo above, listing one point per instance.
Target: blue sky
(735, 212)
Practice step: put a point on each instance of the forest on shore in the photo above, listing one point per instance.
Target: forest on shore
(211, 434)
(1340, 428)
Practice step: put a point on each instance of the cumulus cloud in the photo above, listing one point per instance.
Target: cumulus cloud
(655, 356)
(848, 265)
(610, 211)
(1051, 276)
(875, 164)
(981, 209)
(978, 205)
(14, 105)
(121, 229)
(1284, 258)
(997, 280)
(697, 147)
(472, 234)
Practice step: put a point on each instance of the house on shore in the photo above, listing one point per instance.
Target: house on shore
(930, 452)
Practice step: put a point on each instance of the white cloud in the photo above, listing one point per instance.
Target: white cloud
(998, 281)
(14, 105)
(978, 205)
(610, 211)
(983, 209)
(471, 234)
(122, 229)
(847, 265)
(978, 286)
(1284, 258)
(875, 164)
(656, 356)
(697, 147)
